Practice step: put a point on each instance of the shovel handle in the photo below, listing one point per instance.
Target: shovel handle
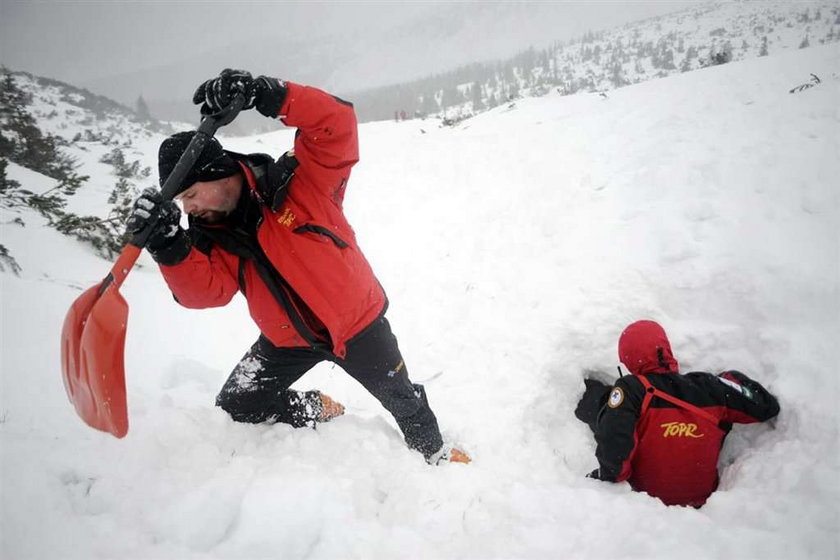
(122, 266)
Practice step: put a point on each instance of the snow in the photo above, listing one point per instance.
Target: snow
(514, 249)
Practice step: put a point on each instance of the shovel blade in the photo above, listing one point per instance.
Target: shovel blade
(92, 363)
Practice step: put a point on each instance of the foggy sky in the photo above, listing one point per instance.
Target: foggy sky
(86, 41)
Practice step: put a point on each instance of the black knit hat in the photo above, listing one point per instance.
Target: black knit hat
(213, 163)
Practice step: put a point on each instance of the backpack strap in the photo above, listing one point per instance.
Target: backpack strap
(651, 391)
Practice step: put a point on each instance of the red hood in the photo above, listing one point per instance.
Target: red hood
(644, 348)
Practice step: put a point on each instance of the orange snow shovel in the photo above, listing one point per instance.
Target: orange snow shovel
(93, 336)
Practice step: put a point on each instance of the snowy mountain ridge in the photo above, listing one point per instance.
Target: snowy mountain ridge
(449, 39)
(514, 248)
(64, 110)
(93, 127)
(689, 39)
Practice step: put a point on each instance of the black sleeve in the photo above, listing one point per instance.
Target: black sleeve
(199, 241)
(271, 94)
(746, 400)
(593, 400)
(616, 429)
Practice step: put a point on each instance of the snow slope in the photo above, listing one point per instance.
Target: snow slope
(514, 250)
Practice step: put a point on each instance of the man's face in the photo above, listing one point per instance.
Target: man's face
(211, 201)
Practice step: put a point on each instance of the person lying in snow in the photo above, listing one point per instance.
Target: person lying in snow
(662, 431)
(276, 231)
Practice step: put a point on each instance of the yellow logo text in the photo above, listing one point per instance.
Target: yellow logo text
(680, 429)
(287, 218)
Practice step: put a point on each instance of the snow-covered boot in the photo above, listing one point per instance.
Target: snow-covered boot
(329, 408)
(450, 454)
(458, 456)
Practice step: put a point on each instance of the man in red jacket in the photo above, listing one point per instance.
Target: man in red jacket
(662, 431)
(276, 232)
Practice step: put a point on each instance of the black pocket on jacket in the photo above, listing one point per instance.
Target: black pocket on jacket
(321, 230)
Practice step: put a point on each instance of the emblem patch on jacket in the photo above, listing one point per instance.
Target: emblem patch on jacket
(287, 218)
(616, 398)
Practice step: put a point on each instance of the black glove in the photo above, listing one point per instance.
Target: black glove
(264, 93)
(593, 400)
(217, 93)
(167, 241)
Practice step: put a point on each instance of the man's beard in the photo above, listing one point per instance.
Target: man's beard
(212, 217)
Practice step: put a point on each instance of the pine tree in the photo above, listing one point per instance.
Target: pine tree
(513, 91)
(449, 97)
(722, 55)
(22, 142)
(142, 110)
(428, 104)
(727, 51)
(7, 260)
(7, 186)
(805, 17)
(639, 67)
(477, 98)
(617, 77)
(763, 51)
(666, 61)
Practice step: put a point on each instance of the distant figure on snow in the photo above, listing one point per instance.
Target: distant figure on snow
(276, 231)
(662, 431)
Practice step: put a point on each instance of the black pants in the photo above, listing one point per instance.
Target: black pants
(258, 388)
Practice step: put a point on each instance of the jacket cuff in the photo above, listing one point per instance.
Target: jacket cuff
(174, 252)
(272, 97)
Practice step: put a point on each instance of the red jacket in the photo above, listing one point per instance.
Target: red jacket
(662, 431)
(319, 273)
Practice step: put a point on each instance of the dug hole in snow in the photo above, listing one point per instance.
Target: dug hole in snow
(514, 249)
